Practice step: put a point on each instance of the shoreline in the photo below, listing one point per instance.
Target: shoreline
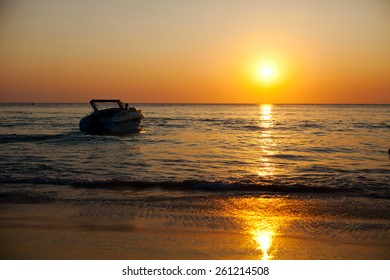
(179, 228)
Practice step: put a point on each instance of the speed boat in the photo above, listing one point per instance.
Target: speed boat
(112, 120)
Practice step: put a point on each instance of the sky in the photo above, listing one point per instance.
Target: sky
(205, 51)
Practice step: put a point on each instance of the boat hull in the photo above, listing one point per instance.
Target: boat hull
(95, 124)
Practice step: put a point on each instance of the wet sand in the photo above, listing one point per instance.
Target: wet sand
(207, 226)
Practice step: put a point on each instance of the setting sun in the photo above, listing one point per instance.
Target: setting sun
(266, 73)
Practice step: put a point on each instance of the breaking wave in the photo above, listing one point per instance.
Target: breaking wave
(229, 187)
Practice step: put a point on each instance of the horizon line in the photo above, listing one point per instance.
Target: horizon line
(197, 103)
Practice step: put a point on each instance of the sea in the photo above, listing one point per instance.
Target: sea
(257, 148)
(186, 153)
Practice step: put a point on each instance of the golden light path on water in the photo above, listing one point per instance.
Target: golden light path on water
(263, 235)
(264, 240)
(262, 230)
(259, 222)
(266, 168)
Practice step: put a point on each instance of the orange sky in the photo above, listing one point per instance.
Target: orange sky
(335, 51)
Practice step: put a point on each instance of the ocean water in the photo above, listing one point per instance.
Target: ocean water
(256, 148)
(197, 182)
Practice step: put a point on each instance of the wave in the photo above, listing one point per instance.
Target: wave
(61, 138)
(380, 125)
(230, 187)
(290, 157)
(311, 125)
(12, 138)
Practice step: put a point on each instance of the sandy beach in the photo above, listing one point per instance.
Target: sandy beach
(219, 227)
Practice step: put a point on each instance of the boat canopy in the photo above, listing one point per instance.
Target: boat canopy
(117, 101)
(104, 100)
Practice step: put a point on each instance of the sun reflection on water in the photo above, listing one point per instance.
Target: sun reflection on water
(262, 223)
(263, 239)
(266, 143)
(266, 169)
(266, 114)
(261, 231)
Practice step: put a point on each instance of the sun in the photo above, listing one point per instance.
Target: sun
(266, 73)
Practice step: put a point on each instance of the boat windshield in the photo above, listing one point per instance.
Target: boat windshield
(96, 105)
